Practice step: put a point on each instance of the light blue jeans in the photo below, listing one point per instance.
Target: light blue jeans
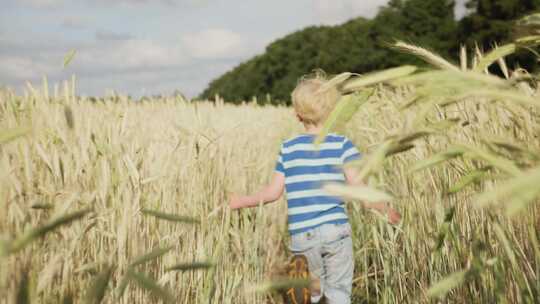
(328, 249)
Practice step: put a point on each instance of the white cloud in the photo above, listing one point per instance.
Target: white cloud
(461, 10)
(74, 23)
(42, 3)
(105, 35)
(23, 69)
(124, 65)
(214, 43)
(190, 80)
(332, 12)
(144, 2)
(124, 55)
(136, 1)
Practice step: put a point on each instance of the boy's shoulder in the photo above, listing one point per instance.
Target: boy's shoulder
(308, 139)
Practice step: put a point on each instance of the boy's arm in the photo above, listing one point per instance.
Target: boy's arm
(353, 179)
(268, 194)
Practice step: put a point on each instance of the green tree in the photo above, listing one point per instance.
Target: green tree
(491, 22)
(429, 23)
(359, 46)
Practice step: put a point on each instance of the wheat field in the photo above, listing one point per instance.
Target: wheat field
(61, 154)
(121, 201)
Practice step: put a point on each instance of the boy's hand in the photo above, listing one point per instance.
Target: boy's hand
(268, 194)
(393, 216)
(235, 201)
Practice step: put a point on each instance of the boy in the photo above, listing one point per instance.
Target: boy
(317, 222)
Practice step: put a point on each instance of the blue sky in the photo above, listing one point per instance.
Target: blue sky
(143, 47)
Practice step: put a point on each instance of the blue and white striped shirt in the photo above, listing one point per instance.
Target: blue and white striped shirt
(307, 168)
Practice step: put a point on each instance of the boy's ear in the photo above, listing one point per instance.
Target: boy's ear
(299, 118)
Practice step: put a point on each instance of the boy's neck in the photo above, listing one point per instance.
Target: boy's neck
(313, 129)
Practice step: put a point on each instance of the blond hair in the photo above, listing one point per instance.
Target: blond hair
(312, 101)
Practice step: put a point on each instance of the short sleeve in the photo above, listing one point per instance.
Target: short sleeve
(350, 152)
(279, 163)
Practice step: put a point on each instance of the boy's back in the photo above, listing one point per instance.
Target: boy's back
(307, 167)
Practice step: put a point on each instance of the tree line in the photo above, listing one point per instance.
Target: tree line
(361, 45)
